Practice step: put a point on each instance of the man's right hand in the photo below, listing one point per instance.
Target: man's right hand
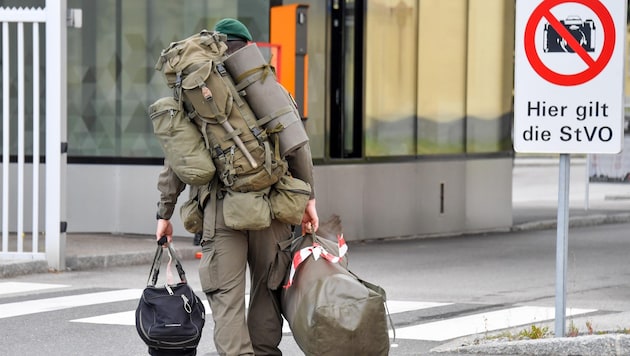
(310, 220)
(164, 228)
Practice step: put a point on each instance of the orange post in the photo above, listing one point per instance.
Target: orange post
(289, 29)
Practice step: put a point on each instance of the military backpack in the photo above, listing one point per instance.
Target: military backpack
(243, 152)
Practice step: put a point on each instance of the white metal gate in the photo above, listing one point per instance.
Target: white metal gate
(15, 183)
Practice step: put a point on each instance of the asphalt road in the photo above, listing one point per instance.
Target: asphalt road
(430, 282)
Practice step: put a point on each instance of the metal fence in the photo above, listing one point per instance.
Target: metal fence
(17, 241)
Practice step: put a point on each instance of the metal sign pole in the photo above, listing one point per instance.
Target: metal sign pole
(562, 243)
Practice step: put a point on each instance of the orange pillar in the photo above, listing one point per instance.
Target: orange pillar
(289, 30)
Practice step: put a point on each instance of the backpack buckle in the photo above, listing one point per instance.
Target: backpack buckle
(178, 80)
(218, 151)
(221, 69)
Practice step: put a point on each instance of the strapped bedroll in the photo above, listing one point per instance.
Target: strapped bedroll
(271, 103)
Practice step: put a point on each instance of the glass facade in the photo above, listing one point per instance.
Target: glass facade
(439, 77)
(111, 75)
(442, 77)
(489, 76)
(391, 62)
(437, 74)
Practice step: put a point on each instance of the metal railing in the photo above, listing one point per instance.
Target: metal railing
(53, 18)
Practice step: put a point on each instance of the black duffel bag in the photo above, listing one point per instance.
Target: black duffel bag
(170, 317)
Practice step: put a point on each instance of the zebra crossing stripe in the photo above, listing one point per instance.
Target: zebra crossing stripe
(433, 331)
(122, 318)
(481, 323)
(128, 317)
(50, 304)
(22, 287)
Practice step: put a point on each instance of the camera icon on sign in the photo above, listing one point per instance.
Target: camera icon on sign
(582, 31)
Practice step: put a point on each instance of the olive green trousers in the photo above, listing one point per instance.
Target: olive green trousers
(222, 271)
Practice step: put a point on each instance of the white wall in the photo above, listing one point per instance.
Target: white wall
(374, 200)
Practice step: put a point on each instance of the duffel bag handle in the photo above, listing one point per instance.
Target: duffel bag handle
(157, 261)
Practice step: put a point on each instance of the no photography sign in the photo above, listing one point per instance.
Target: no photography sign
(569, 76)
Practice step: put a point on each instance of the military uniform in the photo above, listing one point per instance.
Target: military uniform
(226, 254)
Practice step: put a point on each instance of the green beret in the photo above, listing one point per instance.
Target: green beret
(234, 29)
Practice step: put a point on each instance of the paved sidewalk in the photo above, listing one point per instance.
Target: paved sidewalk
(91, 251)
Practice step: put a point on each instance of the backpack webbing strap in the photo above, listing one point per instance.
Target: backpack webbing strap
(267, 157)
(227, 80)
(212, 218)
(276, 114)
(276, 146)
(177, 88)
(251, 121)
(228, 174)
(255, 74)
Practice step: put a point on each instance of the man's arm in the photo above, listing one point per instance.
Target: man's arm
(301, 167)
(170, 186)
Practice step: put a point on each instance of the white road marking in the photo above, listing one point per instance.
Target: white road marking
(433, 331)
(21, 287)
(128, 318)
(399, 306)
(50, 304)
(481, 323)
(122, 318)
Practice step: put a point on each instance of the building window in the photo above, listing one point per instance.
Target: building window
(438, 77)
(111, 75)
(391, 77)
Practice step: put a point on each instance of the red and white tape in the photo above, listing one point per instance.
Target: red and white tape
(316, 251)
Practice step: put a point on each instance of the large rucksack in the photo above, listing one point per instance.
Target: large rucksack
(244, 153)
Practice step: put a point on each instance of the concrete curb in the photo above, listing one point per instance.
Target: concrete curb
(11, 269)
(16, 268)
(80, 263)
(609, 344)
(578, 221)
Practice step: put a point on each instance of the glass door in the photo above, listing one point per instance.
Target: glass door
(346, 78)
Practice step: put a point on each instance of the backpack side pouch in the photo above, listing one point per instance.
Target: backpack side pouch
(247, 211)
(182, 142)
(192, 216)
(288, 198)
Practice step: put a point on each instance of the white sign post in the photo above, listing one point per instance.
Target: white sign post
(568, 93)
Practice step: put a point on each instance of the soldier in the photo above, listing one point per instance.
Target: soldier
(228, 252)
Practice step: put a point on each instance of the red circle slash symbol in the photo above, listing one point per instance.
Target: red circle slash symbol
(594, 66)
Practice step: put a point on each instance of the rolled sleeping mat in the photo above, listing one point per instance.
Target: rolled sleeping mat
(268, 99)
